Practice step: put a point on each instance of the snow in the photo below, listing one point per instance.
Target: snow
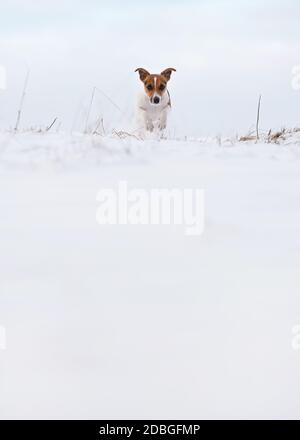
(143, 321)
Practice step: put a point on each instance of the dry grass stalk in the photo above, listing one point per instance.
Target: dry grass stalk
(51, 125)
(124, 134)
(247, 138)
(257, 119)
(89, 111)
(276, 137)
(22, 101)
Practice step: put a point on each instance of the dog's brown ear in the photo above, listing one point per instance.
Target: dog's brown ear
(143, 73)
(168, 72)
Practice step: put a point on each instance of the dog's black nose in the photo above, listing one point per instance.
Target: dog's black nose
(156, 100)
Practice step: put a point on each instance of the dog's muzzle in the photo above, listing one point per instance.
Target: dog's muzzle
(155, 99)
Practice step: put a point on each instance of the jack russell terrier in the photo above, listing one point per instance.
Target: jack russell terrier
(154, 102)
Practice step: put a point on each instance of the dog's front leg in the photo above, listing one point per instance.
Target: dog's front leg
(144, 123)
(147, 122)
(149, 125)
(163, 121)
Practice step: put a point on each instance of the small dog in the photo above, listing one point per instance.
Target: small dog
(154, 102)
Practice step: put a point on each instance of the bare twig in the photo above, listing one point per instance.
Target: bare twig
(51, 125)
(102, 124)
(89, 111)
(257, 119)
(22, 100)
(110, 100)
(124, 134)
(98, 123)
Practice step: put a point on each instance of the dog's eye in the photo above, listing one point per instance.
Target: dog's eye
(162, 87)
(150, 87)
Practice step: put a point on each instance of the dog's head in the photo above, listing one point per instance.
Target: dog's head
(155, 84)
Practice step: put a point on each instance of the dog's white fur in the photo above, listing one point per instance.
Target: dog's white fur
(151, 117)
(154, 103)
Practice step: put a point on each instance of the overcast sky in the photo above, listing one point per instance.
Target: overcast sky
(226, 53)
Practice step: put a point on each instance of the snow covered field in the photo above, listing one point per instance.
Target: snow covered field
(142, 321)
